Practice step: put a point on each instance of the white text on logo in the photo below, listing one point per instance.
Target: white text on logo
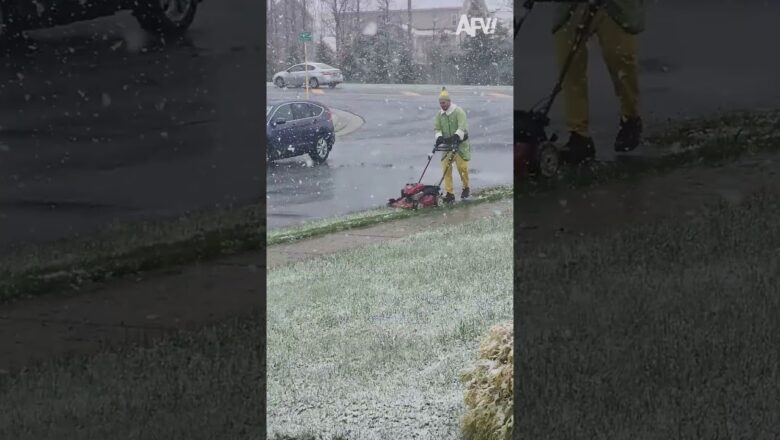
(470, 25)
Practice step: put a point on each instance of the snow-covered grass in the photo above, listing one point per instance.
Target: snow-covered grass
(200, 385)
(713, 140)
(738, 128)
(661, 330)
(370, 344)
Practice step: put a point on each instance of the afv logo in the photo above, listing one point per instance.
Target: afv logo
(470, 26)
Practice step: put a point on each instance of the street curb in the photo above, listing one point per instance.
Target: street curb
(373, 217)
(345, 122)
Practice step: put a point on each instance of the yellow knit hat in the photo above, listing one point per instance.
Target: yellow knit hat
(444, 95)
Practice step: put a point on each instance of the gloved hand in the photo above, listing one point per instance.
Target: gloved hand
(453, 140)
(439, 140)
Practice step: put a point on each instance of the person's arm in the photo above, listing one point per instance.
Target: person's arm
(437, 129)
(460, 117)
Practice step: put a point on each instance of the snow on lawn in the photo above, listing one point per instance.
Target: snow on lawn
(369, 344)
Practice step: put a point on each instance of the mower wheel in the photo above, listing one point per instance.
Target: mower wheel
(549, 158)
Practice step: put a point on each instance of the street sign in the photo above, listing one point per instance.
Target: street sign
(304, 36)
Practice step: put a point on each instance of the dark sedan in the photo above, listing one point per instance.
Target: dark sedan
(295, 128)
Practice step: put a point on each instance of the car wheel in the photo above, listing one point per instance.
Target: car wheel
(167, 18)
(279, 82)
(313, 83)
(332, 85)
(321, 150)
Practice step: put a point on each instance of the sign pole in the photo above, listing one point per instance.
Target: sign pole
(304, 37)
(306, 67)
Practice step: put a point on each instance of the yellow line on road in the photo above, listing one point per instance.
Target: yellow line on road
(500, 95)
(406, 93)
(317, 91)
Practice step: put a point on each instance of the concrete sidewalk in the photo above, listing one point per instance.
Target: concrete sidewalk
(289, 253)
(154, 304)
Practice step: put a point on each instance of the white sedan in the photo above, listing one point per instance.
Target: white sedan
(317, 73)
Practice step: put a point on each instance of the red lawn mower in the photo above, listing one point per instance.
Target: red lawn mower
(536, 153)
(418, 195)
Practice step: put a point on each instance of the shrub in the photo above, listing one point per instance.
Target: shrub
(489, 387)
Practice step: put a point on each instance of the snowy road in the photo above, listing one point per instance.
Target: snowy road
(372, 164)
(95, 130)
(696, 58)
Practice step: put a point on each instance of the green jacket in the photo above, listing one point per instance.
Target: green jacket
(450, 123)
(628, 14)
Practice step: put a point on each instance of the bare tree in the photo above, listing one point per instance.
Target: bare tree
(409, 11)
(286, 18)
(384, 8)
(338, 10)
(304, 14)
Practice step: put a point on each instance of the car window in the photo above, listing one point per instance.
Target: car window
(296, 69)
(310, 67)
(301, 110)
(284, 112)
(315, 109)
(325, 66)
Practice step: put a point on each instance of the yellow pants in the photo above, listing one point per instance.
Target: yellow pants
(620, 55)
(463, 170)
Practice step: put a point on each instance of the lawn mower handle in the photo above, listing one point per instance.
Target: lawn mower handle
(449, 147)
(446, 147)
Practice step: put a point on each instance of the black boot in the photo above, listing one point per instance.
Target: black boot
(465, 194)
(629, 135)
(578, 149)
(449, 198)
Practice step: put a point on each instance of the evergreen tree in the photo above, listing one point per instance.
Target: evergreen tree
(407, 71)
(483, 56)
(325, 54)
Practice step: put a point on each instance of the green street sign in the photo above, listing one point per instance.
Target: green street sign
(304, 36)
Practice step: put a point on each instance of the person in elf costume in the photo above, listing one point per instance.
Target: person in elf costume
(616, 25)
(451, 128)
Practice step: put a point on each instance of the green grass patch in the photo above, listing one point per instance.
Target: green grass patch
(371, 342)
(201, 385)
(667, 330)
(130, 248)
(694, 142)
(372, 217)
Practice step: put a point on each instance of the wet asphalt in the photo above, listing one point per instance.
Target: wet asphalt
(371, 165)
(101, 124)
